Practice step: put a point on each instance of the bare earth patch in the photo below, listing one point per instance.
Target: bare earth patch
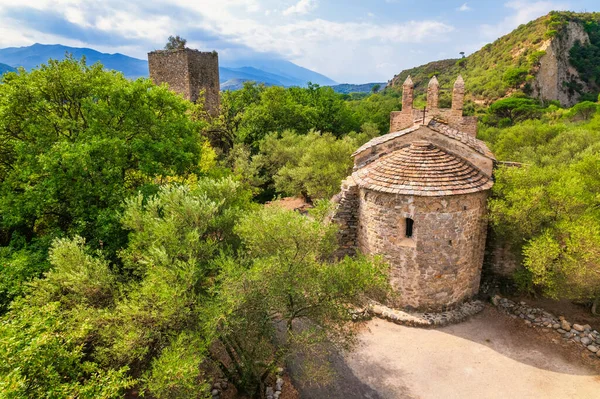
(489, 356)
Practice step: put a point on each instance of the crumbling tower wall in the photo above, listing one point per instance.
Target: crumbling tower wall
(188, 72)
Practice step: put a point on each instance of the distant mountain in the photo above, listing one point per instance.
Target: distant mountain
(32, 56)
(347, 88)
(282, 68)
(270, 71)
(6, 68)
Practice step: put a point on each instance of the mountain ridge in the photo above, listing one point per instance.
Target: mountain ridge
(269, 71)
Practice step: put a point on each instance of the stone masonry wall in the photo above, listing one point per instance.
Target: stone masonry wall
(188, 72)
(440, 266)
(346, 216)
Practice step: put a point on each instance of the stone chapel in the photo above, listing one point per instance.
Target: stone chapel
(417, 196)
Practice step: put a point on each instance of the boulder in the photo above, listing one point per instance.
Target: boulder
(565, 325)
(578, 327)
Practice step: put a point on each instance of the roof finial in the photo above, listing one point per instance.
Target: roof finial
(407, 95)
(433, 94)
(458, 95)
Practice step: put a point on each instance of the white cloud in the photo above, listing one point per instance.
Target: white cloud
(464, 7)
(524, 11)
(301, 7)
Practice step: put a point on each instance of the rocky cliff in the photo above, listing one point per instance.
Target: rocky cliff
(556, 78)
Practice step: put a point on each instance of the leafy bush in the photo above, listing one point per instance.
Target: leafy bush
(77, 140)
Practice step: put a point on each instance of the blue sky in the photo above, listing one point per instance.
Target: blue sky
(353, 41)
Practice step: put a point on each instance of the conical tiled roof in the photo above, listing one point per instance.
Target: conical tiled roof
(422, 169)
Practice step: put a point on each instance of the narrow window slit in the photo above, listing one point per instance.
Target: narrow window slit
(409, 227)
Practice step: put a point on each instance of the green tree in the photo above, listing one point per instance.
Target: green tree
(583, 111)
(175, 43)
(77, 140)
(515, 109)
(290, 287)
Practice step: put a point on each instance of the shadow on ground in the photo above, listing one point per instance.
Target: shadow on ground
(490, 356)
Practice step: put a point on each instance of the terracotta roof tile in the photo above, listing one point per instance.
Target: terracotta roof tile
(422, 169)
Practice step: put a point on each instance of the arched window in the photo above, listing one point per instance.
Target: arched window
(409, 227)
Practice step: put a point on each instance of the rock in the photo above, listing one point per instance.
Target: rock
(560, 330)
(592, 348)
(279, 384)
(217, 385)
(578, 327)
(496, 300)
(556, 326)
(568, 335)
(586, 341)
(577, 339)
(276, 395)
(269, 391)
(587, 327)
(215, 392)
(565, 325)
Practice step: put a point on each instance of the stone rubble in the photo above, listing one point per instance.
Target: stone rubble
(275, 392)
(428, 319)
(270, 392)
(583, 335)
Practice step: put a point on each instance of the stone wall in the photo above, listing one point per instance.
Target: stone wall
(346, 217)
(188, 72)
(440, 266)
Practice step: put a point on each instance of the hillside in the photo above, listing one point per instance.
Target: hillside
(347, 88)
(6, 68)
(263, 70)
(554, 57)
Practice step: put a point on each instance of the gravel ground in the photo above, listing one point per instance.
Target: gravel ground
(490, 356)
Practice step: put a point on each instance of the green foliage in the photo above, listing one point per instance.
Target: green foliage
(75, 141)
(311, 165)
(251, 113)
(549, 207)
(513, 109)
(517, 54)
(583, 111)
(515, 77)
(175, 43)
(289, 285)
(205, 284)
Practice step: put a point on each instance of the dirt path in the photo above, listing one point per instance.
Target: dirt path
(491, 356)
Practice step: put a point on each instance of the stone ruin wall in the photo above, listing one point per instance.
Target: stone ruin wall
(204, 75)
(188, 72)
(346, 217)
(170, 67)
(440, 267)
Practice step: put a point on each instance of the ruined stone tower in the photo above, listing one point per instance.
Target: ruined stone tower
(188, 72)
(417, 197)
